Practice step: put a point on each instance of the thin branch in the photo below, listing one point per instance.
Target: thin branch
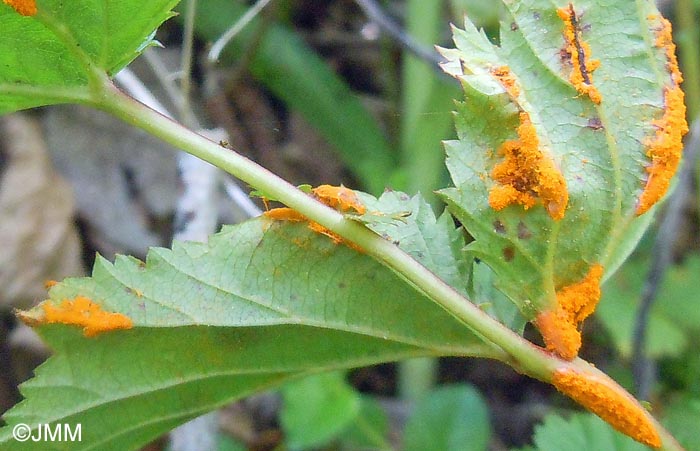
(241, 199)
(136, 89)
(184, 110)
(223, 41)
(375, 13)
(642, 366)
(165, 77)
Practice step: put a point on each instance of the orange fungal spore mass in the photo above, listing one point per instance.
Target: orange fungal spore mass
(560, 326)
(664, 149)
(24, 7)
(579, 53)
(337, 197)
(527, 174)
(82, 311)
(610, 402)
(505, 76)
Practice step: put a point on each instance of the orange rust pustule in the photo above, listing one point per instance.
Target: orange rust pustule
(48, 284)
(665, 147)
(284, 214)
(560, 326)
(610, 402)
(507, 79)
(527, 174)
(578, 52)
(82, 311)
(23, 7)
(339, 197)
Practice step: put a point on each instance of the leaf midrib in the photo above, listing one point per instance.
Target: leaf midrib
(293, 320)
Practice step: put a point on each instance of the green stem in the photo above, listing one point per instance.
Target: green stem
(416, 377)
(528, 357)
(515, 350)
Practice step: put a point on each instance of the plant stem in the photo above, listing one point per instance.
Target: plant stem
(514, 349)
(531, 358)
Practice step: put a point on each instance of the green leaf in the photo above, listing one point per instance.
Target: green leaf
(228, 444)
(581, 432)
(369, 428)
(316, 409)
(437, 245)
(217, 321)
(451, 418)
(51, 57)
(298, 76)
(599, 149)
(682, 418)
(674, 316)
(411, 223)
(484, 294)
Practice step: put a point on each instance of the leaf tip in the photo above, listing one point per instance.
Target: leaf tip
(80, 311)
(610, 402)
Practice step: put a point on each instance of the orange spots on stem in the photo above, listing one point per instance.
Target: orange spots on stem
(575, 302)
(81, 311)
(610, 402)
(665, 148)
(578, 52)
(24, 7)
(338, 197)
(527, 174)
(284, 214)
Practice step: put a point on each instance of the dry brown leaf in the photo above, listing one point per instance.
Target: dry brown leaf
(38, 237)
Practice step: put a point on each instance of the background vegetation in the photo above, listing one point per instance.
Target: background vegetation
(319, 92)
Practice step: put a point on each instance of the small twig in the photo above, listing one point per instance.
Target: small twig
(136, 89)
(642, 366)
(164, 76)
(222, 42)
(375, 13)
(241, 199)
(184, 110)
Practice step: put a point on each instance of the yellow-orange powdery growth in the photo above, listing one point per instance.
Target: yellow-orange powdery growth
(607, 400)
(579, 52)
(24, 7)
(505, 76)
(560, 326)
(82, 311)
(664, 149)
(338, 197)
(527, 174)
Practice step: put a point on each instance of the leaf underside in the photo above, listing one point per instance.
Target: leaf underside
(598, 148)
(261, 302)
